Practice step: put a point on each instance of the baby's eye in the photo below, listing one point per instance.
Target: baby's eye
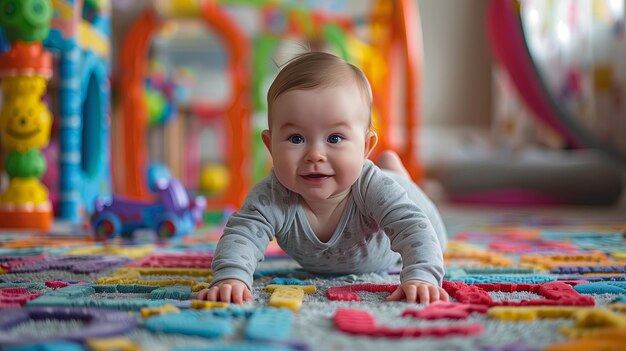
(296, 139)
(334, 139)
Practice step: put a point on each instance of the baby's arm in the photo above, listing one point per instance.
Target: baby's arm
(238, 251)
(411, 234)
(242, 245)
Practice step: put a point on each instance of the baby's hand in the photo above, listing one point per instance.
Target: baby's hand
(418, 291)
(227, 290)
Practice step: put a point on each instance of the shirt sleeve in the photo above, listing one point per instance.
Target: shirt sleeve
(408, 227)
(248, 232)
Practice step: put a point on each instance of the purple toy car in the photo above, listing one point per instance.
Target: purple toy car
(173, 214)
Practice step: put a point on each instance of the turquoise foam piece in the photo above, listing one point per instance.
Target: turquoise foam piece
(195, 324)
(37, 251)
(498, 278)
(606, 243)
(126, 288)
(601, 288)
(239, 347)
(230, 312)
(105, 288)
(176, 292)
(270, 324)
(140, 289)
(578, 234)
(619, 299)
(498, 270)
(73, 291)
(287, 281)
(49, 301)
(454, 272)
(122, 305)
(49, 346)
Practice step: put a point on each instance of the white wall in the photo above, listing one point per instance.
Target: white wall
(457, 72)
(456, 104)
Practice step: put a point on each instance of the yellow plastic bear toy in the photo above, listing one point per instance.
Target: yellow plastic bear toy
(15, 86)
(25, 123)
(25, 191)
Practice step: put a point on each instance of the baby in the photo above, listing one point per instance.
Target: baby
(327, 205)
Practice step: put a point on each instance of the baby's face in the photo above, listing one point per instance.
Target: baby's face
(319, 140)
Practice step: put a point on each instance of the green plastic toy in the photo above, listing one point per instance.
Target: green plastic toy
(26, 20)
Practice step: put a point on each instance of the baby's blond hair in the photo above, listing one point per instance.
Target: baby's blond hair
(314, 70)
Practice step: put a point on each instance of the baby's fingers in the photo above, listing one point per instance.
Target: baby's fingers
(238, 293)
(411, 291)
(225, 292)
(423, 293)
(443, 295)
(213, 294)
(208, 294)
(397, 295)
(247, 295)
(434, 293)
(202, 295)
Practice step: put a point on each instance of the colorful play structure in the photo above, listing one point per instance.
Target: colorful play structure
(133, 111)
(78, 42)
(25, 120)
(80, 35)
(395, 45)
(75, 50)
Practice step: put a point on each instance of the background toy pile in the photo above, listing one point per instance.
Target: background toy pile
(184, 87)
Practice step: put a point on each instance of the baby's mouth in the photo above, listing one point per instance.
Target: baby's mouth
(315, 176)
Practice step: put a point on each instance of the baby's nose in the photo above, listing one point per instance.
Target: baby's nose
(315, 154)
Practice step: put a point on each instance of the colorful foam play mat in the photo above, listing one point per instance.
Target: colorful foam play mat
(518, 281)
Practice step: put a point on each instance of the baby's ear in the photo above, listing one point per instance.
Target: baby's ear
(371, 139)
(267, 140)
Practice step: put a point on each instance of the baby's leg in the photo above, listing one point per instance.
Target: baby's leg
(390, 160)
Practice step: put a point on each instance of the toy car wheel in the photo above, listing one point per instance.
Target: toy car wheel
(167, 228)
(106, 227)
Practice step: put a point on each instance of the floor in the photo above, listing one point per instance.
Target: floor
(523, 279)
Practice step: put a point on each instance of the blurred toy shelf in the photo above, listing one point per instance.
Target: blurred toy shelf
(541, 178)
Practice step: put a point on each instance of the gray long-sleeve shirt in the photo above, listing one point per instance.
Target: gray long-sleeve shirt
(386, 214)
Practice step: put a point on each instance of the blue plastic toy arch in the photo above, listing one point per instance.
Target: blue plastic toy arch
(94, 145)
(91, 128)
